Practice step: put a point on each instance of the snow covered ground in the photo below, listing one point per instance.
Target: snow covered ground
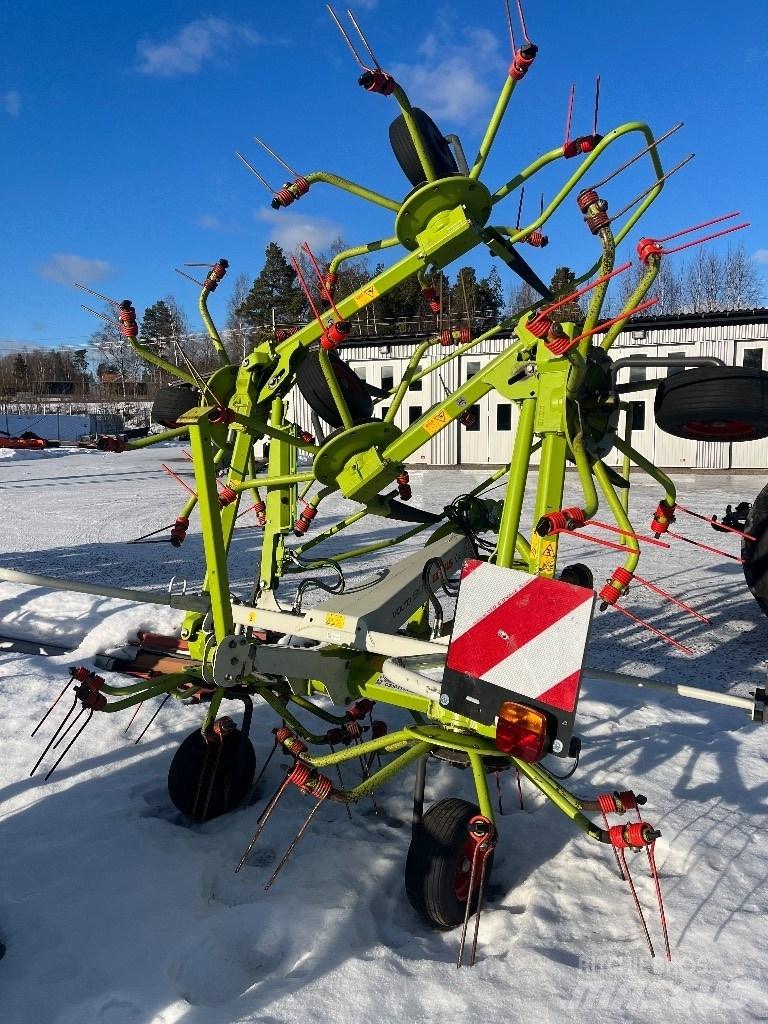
(117, 911)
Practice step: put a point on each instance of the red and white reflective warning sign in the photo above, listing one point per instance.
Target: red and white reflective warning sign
(516, 635)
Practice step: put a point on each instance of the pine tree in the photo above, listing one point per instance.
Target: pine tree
(563, 283)
(275, 292)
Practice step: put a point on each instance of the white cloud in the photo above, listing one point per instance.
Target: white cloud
(11, 102)
(67, 268)
(450, 80)
(365, 5)
(290, 229)
(186, 52)
(761, 256)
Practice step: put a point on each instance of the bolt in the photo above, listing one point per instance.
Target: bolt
(444, 699)
(557, 747)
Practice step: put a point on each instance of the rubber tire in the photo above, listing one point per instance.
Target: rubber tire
(755, 552)
(433, 859)
(172, 402)
(441, 154)
(707, 403)
(579, 575)
(227, 793)
(311, 382)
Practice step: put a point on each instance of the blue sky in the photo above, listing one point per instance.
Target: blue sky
(118, 124)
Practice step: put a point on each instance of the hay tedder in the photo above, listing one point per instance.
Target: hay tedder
(492, 685)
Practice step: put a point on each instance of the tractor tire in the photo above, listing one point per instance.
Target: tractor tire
(203, 787)
(312, 384)
(714, 403)
(435, 144)
(579, 575)
(755, 552)
(438, 865)
(172, 402)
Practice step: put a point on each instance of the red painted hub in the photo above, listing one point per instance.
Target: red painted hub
(464, 871)
(717, 429)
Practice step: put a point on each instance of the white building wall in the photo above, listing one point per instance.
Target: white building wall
(491, 443)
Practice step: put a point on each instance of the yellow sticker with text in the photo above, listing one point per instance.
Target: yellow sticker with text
(435, 423)
(335, 619)
(367, 295)
(547, 557)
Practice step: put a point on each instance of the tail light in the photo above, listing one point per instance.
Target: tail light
(521, 731)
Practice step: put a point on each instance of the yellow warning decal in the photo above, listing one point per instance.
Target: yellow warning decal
(547, 557)
(335, 619)
(435, 423)
(367, 295)
(252, 618)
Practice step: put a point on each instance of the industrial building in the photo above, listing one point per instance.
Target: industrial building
(738, 338)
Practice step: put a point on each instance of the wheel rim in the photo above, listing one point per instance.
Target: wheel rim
(718, 429)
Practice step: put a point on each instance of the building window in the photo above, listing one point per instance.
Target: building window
(672, 370)
(414, 413)
(415, 385)
(387, 378)
(753, 358)
(637, 410)
(360, 371)
(472, 369)
(504, 417)
(384, 411)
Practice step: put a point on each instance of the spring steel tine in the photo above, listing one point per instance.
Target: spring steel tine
(69, 746)
(50, 709)
(345, 37)
(139, 706)
(264, 818)
(209, 792)
(189, 277)
(520, 208)
(479, 907)
(294, 841)
(644, 193)
(636, 901)
(510, 27)
(106, 298)
(597, 104)
(467, 912)
(63, 735)
(365, 42)
(569, 114)
(657, 884)
(253, 171)
(50, 741)
(163, 702)
(274, 155)
(637, 156)
(153, 533)
(366, 776)
(524, 27)
(341, 780)
(103, 316)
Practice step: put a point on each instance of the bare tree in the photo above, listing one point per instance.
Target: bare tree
(743, 288)
(238, 334)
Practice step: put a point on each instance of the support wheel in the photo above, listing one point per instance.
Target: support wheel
(207, 779)
(755, 552)
(579, 575)
(714, 403)
(172, 402)
(439, 861)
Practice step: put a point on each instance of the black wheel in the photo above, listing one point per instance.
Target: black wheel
(437, 148)
(578, 574)
(172, 402)
(312, 384)
(714, 403)
(437, 870)
(206, 780)
(755, 552)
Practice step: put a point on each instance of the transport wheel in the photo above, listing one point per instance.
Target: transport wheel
(714, 403)
(755, 552)
(204, 787)
(439, 863)
(172, 402)
(435, 144)
(578, 574)
(311, 383)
